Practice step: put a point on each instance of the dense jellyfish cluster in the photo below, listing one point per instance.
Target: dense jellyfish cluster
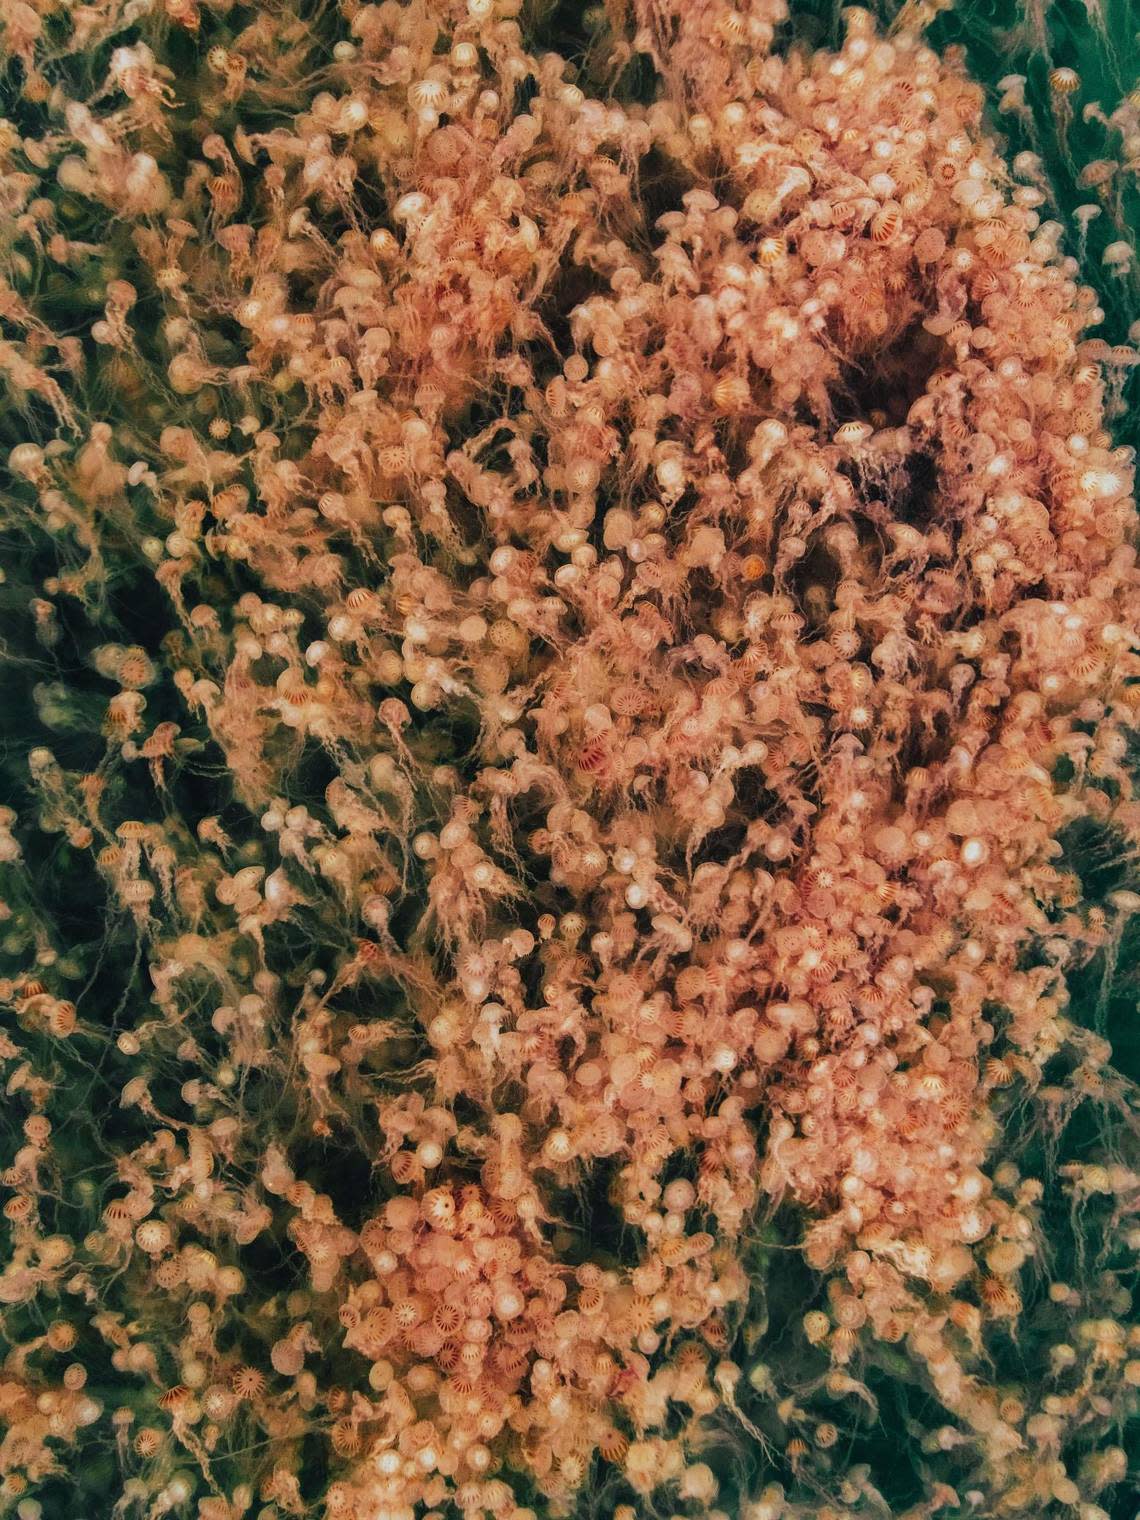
(561, 612)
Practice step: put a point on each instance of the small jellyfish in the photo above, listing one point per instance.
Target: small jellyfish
(1063, 85)
(1094, 10)
(853, 435)
(1102, 176)
(1097, 173)
(1083, 215)
(1093, 111)
(1118, 258)
(1029, 166)
(1012, 102)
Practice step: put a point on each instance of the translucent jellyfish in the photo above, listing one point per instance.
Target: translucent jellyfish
(1083, 216)
(1063, 85)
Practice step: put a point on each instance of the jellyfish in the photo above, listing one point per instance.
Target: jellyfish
(1063, 85)
(1094, 10)
(1012, 101)
(1083, 216)
(1118, 258)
